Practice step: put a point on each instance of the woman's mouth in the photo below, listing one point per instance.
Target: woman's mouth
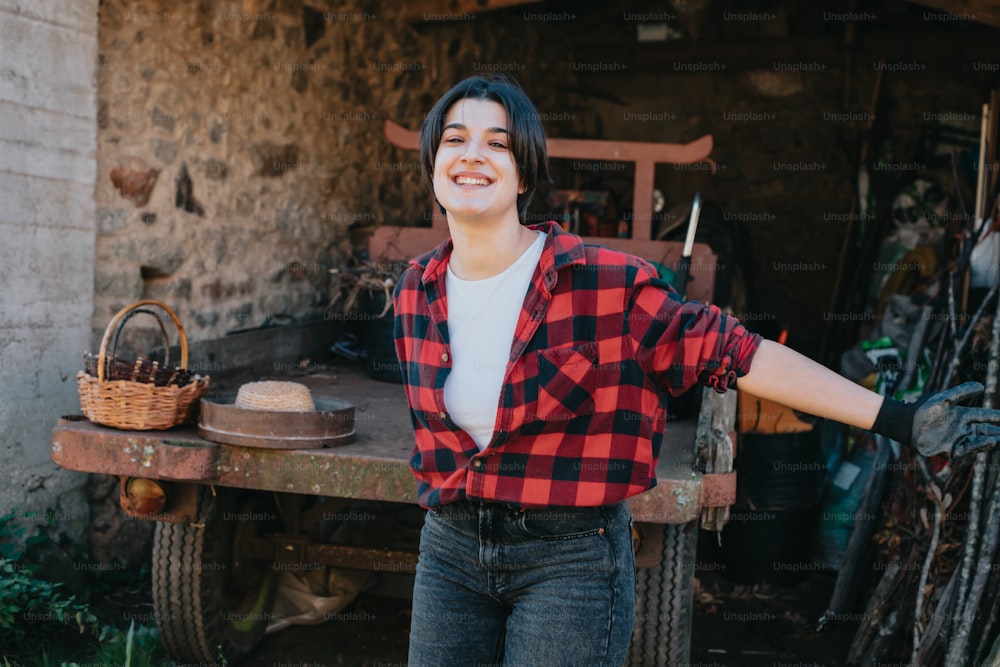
(468, 180)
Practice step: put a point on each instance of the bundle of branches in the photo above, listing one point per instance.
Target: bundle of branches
(937, 585)
(349, 283)
(936, 596)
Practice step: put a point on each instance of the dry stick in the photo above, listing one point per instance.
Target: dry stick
(971, 542)
(874, 611)
(915, 348)
(960, 346)
(986, 554)
(960, 640)
(883, 638)
(986, 632)
(979, 213)
(928, 558)
(935, 630)
(937, 368)
(993, 659)
(978, 470)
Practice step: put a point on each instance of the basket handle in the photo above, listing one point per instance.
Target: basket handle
(119, 320)
(159, 323)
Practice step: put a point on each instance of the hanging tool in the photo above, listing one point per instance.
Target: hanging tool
(684, 266)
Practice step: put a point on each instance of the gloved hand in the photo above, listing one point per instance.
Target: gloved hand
(938, 424)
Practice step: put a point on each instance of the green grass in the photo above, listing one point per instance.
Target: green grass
(138, 647)
(42, 625)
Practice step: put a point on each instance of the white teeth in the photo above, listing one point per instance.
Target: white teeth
(464, 180)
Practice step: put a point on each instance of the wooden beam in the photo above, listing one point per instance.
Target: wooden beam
(983, 11)
(426, 11)
(709, 56)
(723, 57)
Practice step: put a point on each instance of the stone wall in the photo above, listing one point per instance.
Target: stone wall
(47, 172)
(241, 153)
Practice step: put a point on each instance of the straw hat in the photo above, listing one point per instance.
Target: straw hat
(275, 397)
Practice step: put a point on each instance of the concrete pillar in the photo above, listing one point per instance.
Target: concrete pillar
(48, 169)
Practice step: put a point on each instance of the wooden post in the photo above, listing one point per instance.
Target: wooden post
(715, 445)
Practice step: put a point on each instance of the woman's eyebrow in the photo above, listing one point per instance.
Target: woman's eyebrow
(460, 126)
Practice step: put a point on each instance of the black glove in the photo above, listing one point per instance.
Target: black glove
(937, 424)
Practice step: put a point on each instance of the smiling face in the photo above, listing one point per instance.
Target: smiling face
(475, 175)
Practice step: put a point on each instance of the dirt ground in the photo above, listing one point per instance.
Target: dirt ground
(740, 627)
(737, 625)
(734, 625)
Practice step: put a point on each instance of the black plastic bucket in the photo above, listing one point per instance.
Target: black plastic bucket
(773, 525)
(377, 338)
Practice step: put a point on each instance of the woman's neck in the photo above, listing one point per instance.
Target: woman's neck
(482, 250)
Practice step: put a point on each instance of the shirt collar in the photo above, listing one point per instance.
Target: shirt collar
(561, 249)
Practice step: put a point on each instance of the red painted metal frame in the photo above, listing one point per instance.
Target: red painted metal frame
(394, 243)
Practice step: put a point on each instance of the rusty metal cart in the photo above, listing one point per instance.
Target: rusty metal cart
(234, 516)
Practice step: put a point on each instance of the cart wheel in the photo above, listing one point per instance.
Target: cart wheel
(212, 602)
(663, 600)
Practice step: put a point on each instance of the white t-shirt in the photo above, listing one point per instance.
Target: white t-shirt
(482, 315)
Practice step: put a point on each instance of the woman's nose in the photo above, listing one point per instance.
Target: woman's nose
(473, 151)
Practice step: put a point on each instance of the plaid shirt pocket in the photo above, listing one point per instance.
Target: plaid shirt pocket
(567, 378)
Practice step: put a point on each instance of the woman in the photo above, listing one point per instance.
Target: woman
(533, 365)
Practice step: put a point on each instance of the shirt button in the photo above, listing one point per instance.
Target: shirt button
(444, 357)
(443, 415)
(477, 464)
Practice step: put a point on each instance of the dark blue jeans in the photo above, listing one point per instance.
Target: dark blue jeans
(496, 585)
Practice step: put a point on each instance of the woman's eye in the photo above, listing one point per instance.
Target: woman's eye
(453, 140)
(498, 144)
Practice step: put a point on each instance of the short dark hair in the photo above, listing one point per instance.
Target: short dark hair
(524, 131)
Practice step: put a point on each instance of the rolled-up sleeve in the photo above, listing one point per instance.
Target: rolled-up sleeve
(681, 343)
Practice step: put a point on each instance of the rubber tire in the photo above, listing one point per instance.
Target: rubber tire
(664, 597)
(209, 608)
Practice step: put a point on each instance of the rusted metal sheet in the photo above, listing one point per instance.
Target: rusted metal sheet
(331, 424)
(347, 472)
(294, 553)
(183, 460)
(718, 490)
(175, 454)
(670, 501)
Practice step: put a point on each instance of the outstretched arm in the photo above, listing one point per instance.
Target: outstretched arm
(784, 376)
(936, 424)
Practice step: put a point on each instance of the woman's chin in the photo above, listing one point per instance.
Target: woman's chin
(468, 212)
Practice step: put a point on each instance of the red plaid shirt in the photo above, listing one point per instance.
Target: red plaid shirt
(579, 420)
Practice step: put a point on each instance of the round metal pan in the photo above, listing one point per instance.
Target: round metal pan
(331, 425)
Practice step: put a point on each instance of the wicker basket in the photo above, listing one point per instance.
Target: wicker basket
(140, 405)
